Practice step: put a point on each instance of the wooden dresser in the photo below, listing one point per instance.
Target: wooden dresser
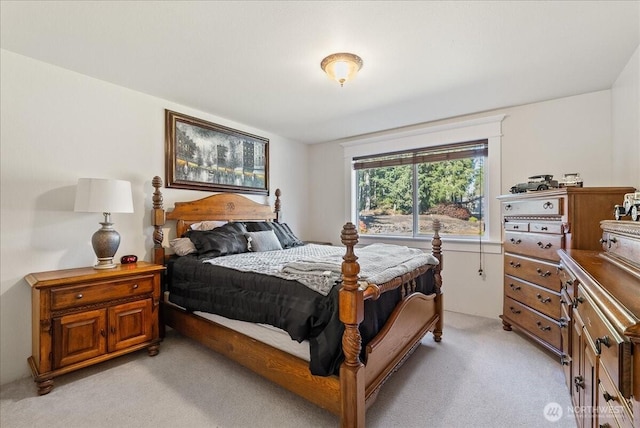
(84, 316)
(536, 226)
(604, 365)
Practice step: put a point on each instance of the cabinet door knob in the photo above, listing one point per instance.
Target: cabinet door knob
(515, 287)
(578, 381)
(79, 296)
(607, 396)
(135, 286)
(102, 333)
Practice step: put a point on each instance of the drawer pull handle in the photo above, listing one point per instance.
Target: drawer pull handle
(605, 425)
(578, 381)
(563, 322)
(135, 286)
(508, 207)
(102, 333)
(514, 310)
(515, 287)
(514, 265)
(543, 328)
(543, 274)
(514, 241)
(547, 205)
(578, 300)
(516, 227)
(565, 359)
(79, 296)
(607, 396)
(604, 340)
(546, 247)
(544, 228)
(543, 299)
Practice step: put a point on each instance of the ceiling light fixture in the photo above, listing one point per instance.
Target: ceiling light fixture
(341, 66)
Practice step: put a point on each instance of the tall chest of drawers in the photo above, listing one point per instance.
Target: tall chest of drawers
(536, 225)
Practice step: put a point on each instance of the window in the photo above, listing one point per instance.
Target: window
(400, 193)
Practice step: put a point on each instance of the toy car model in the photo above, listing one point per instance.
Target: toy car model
(571, 179)
(630, 206)
(536, 182)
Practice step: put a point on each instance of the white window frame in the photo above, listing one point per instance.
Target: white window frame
(415, 137)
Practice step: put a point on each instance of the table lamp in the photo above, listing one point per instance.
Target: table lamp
(99, 195)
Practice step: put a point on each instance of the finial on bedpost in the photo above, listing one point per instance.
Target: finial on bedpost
(351, 309)
(276, 206)
(157, 218)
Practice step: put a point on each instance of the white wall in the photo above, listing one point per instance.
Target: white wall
(554, 137)
(625, 106)
(58, 126)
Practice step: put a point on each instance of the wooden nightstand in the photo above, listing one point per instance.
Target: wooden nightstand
(84, 316)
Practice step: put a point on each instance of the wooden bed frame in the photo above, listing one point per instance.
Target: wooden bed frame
(349, 394)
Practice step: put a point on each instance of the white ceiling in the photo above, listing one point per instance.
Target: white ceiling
(258, 63)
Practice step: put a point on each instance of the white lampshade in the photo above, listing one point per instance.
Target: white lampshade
(100, 195)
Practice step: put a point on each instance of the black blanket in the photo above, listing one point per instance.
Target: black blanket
(288, 305)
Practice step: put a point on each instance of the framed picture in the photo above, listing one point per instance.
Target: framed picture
(201, 155)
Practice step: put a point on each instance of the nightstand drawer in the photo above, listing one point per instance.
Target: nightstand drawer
(546, 206)
(538, 298)
(539, 272)
(535, 323)
(80, 295)
(534, 244)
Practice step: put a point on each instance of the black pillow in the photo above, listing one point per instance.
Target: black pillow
(221, 241)
(286, 237)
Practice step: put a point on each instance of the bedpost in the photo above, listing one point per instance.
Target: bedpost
(436, 250)
(276, 206)
(157, 219)
(351, 307)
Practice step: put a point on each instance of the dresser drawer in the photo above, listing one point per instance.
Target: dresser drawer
(538, 298)
(537, 271)
(80, 295)
(546, 206)
(612, 407)
(543, 327)
(517, 226)
(554, 227)
(534, 244)
(614, 352)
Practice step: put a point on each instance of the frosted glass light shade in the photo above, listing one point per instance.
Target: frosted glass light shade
(341, 67)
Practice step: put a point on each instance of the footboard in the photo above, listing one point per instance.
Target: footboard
(412, 318)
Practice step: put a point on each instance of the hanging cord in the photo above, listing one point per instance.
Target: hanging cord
(481, 220)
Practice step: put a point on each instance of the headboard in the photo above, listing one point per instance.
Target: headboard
(221, 207)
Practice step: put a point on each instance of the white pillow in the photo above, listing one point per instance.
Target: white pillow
(182, 246)
(207, 225)
(265, 240)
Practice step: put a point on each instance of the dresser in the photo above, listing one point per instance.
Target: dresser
(604, 374)
(84, 316)
(535, 226)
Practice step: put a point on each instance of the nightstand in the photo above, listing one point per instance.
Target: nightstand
(84, 316)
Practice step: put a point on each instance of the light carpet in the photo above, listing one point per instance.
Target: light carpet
(478, 376)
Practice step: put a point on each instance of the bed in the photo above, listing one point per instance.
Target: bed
(367, 357)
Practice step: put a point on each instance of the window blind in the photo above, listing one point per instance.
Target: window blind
(469, 149)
